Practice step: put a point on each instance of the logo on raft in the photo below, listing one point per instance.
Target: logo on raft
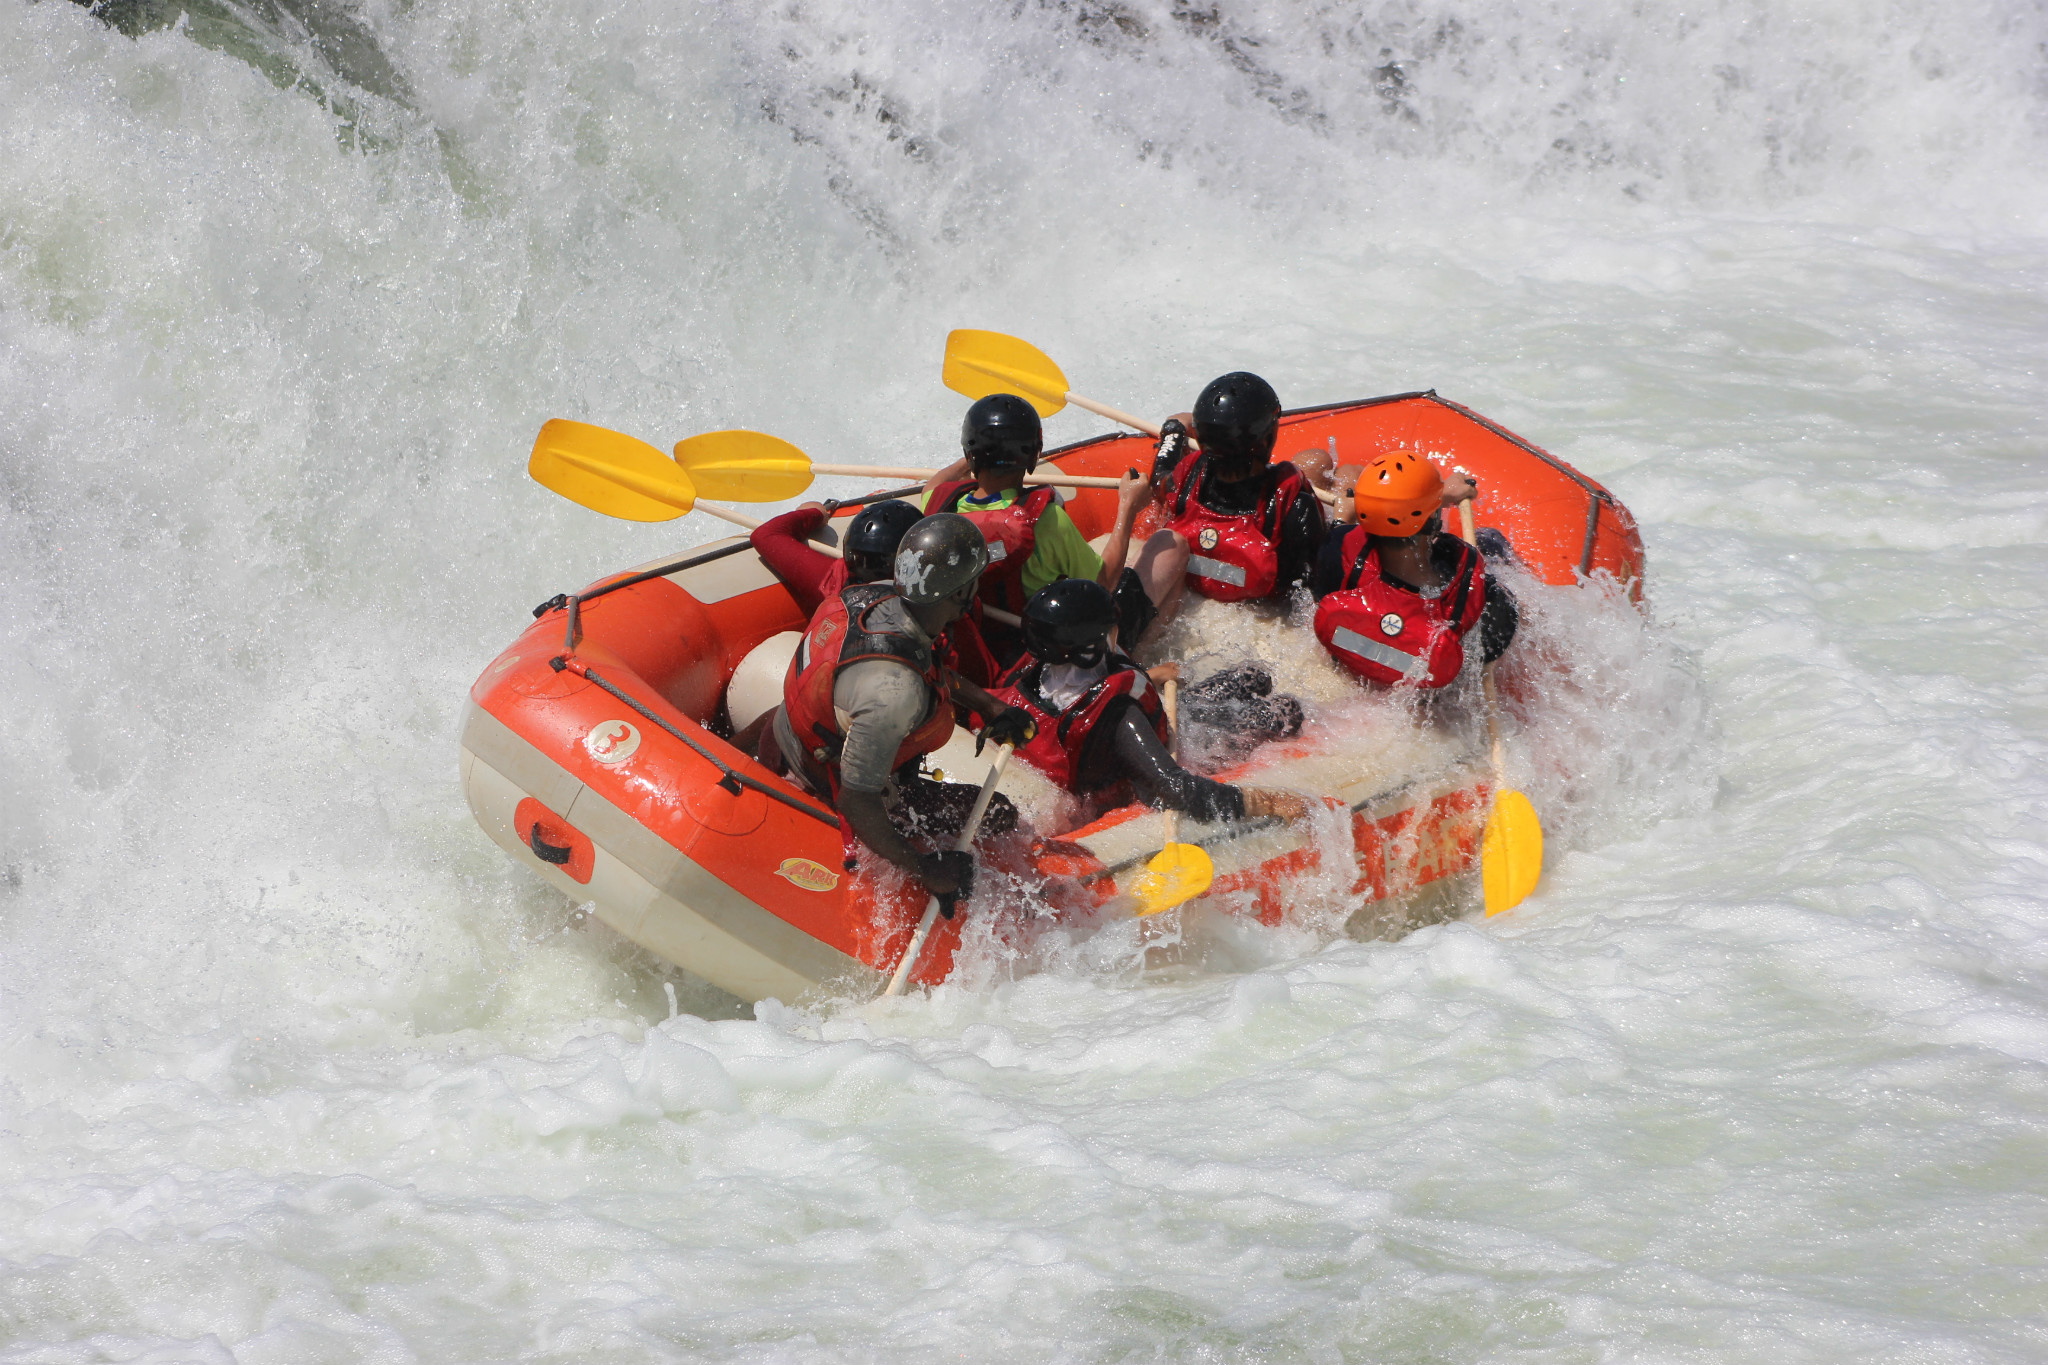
(807, 874)
(612, 741)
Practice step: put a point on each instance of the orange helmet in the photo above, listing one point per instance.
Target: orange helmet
(1397, 493)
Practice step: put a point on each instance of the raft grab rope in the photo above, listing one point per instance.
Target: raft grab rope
(733, 780)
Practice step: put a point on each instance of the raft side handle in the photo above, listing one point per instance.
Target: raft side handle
(545, 851)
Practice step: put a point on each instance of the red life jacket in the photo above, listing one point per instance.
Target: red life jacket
(840, 634)
(1231, 558)
(1390, 634)
(1062, 739)
(1011, 533)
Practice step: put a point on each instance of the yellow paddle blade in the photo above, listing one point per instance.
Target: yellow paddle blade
(1179, 872)
(1511, 853)
(609, 472)
(744, 466)
(981, 363)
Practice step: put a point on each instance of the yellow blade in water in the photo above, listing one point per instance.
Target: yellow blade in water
(744, 466)
(981, 363)
(1179, 872)
(609, 472)
(1511, 854)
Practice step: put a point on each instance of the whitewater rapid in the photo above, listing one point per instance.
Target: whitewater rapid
(295, 1066)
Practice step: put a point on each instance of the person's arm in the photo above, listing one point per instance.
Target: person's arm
(1329, 572)
(953, 471)
(1163, 784)
(884, 701)
(784, 546)
(1302, 532)
(1132, 493)
(1174, 443)
(1498, 621)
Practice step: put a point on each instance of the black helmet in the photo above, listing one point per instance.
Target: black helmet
(1237, 419)
(938, 557)
(871, 541)
(1002, 431)
(1068, 622)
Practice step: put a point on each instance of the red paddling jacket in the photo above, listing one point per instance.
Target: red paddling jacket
(1388, 633)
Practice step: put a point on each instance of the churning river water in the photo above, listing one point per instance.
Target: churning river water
(296, 1067)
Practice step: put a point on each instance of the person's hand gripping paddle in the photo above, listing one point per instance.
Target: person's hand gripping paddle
(964, 843)
(1511, 852)
(1178, 872)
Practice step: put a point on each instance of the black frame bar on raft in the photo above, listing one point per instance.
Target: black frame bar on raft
(1595, 494)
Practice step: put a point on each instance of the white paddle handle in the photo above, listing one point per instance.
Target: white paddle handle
(960, 845)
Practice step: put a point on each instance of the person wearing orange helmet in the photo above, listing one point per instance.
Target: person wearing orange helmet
(1396, 594)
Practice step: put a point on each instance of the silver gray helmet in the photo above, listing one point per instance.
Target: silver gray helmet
(938, 557)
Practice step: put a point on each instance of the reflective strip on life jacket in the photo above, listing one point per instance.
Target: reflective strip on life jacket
(1243, 551)
(1431, 624)
(1379, 652)
(1201, 566)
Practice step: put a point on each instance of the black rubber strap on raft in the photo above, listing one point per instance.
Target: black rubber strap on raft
(560, 601)
(733, 780)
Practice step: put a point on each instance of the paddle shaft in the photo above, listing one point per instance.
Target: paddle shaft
(960, 845)
(880, 471)
(1169, 701)
(1471, 535)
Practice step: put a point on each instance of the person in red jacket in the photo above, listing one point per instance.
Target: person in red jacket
(1031, 539)
(1251, 528)
(814, 577)
(1397, 595)
(1101, 731)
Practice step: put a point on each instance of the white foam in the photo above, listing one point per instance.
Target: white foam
(298, 1067)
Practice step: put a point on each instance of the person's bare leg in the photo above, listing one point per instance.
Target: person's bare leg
(1162, 565)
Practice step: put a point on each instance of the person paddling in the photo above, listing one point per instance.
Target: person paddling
(1101, 731)
(1031, 539)
(1397, 595)
(1251, 528)
(867, 696)
(785, 546)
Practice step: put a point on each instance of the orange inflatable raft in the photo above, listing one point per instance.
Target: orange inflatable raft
(596, 748)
